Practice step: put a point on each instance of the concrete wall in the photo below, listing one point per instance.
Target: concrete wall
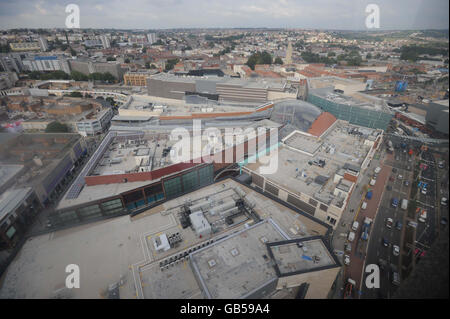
(320, 282)
(170, 90)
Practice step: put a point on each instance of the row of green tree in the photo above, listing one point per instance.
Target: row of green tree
(74, 75)
(262, 58)
(412, 52)
(171, 63)
(352, 58)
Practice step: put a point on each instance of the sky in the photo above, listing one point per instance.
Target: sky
(166, 14)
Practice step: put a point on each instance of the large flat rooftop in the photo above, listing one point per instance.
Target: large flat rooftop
(298, 256)
(339, 147)
(122, 249)
(237, 265)
(357, 99)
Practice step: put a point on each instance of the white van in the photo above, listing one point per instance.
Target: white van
(423, 216)
(355, 226)
(364, 205)
(351, 236)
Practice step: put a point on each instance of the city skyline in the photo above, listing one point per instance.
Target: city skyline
(169, 14)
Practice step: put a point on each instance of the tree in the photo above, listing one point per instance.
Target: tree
(56, 127)
(78, 76)
(171, 63)
(110, 100)
(259, 58)
(278, 60)
(75, 94)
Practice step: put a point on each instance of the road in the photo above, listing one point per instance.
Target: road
(378, 253)
(353, 211)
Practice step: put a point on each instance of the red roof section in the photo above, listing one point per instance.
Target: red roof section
(321, 124)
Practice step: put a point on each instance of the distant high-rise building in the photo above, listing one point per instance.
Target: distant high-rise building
(289, 53)
(151, 37)
(43, 43)
(105, 42)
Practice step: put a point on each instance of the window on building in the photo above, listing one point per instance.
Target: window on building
(173, 187)
(112, 207)
(206, 175)
(331, 220)
(67, 216)
(90, 211)
(190, 181)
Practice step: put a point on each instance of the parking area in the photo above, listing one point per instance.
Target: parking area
(385, 246)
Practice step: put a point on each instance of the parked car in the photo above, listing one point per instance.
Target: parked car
(400, 177)
(423, 216)
(395, 278)
(348, 247)
(395, 250)
(389, 187)
(412, 224)
(389, 222)
(406, 183)
(364, 205)
(355, 226)
(347, 260)
(385, 242)
(351, 236)
(398, 225)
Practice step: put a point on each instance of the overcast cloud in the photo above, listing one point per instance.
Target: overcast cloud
(163, 14)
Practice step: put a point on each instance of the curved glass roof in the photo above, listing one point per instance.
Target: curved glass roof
(296, 114)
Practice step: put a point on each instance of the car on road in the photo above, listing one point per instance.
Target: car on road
(398, 225)
(385, 242)
(395, 250)
(355, 226)
(444, 221)
(424, 190)
(382, 264)
(394, 202)
(351, 236)
(347, 260)
(444, 201)
(412, 224)
(441, 164)
(423, 216)
(348, 247)
(364, 205)
(395, 278)
(406, 183)
(389, 222)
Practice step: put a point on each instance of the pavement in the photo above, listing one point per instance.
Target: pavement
(340, 234)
